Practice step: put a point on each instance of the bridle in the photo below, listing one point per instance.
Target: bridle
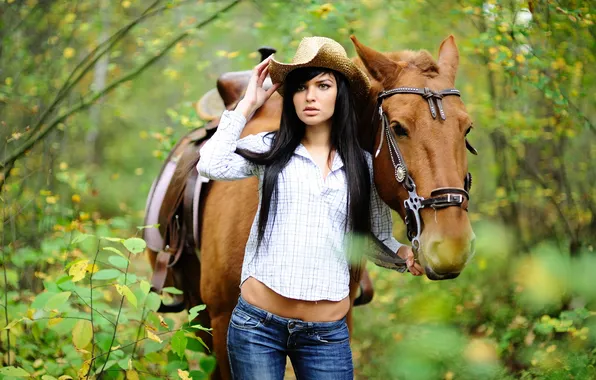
(441, 197)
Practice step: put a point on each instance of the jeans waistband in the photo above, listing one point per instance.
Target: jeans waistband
(297, 324)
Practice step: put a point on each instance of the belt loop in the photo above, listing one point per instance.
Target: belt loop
(268, 318)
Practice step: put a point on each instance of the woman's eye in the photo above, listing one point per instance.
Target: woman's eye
(300, 88)
(324, 86)
(399, 129)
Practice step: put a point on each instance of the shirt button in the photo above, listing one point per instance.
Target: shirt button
(291, 325)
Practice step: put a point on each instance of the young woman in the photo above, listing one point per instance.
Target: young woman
(315, 189)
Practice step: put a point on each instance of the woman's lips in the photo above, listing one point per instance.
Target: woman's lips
(311, 111)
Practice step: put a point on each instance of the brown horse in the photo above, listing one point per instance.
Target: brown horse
(434, 150)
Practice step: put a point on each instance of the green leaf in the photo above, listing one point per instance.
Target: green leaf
(48, 377)
(115, 240)
(135, 245)
(207, 363)
(63, 279)
(153, 301)
(202, 342)
(172, 290)
(115, 250)
(148, 226)
(57, 300)
(145, 287)
(178, 343)
(81, 237)
(82, 333)
(14, 371)
(201, 328)
(118, 262)
(106, 274)
(193, 312)
(123, 363)
(198, 375)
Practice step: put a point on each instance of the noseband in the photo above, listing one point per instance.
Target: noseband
(442, 197)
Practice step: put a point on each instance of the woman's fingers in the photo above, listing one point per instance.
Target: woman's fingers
(261, 66)
(272, 90)
(262, 76)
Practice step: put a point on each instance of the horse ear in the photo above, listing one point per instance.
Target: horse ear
(378, 65)
(448, 58)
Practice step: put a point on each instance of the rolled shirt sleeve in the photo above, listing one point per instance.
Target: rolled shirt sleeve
(219, 160)
(384, 247)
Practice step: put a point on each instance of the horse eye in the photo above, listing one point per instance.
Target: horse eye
(400, 130)
(468, 130)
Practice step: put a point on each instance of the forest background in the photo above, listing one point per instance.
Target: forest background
(93, 94)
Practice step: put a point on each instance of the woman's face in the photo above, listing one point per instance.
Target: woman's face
(314, 100)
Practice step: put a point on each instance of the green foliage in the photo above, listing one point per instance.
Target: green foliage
(89, 320)
(76, 289)
(502, 317)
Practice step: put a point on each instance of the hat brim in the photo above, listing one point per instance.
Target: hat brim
(327, 58)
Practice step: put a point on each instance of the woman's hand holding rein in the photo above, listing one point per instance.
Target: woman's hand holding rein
(255, 95)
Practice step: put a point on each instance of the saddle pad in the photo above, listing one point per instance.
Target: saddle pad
(158, 191)
(152, 235)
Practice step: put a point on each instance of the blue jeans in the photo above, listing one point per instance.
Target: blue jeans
(258, 343)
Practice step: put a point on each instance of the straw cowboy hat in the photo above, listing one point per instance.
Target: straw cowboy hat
(321, 52)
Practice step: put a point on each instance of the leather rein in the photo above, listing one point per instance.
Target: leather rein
(441, 197)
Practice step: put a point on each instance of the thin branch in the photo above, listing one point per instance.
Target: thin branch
(84, 105)
(70, 83)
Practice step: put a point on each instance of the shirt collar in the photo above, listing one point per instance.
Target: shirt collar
(335, 165)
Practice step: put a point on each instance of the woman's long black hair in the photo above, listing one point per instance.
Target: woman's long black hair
(344, 139)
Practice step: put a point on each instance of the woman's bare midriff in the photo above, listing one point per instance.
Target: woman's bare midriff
(258, 294)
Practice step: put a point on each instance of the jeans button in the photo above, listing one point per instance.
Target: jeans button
(291, 325)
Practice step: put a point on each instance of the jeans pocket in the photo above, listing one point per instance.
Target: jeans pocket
(335, 336)
(243, 320)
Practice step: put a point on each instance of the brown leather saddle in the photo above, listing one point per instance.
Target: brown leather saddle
(175, 196)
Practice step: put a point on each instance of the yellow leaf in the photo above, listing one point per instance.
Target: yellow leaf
(69, 52)
(126, 4)
(76, 198)
(152, 336)
(54, 321)
(84, 371)
(233, 54)
(184, 375)
(65, 377)
(125, 291)
(13, 324)
(162, 322)
(92, 268)
(78, 270)
(51, 200)
(69, 18)
(82, 333)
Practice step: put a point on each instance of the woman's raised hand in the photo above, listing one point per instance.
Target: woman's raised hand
(255, 95)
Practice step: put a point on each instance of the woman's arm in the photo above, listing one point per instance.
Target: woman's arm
(218, 158)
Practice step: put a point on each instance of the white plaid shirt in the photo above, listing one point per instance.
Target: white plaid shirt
(303, 253)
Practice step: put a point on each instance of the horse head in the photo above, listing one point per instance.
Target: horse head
(418, 141)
